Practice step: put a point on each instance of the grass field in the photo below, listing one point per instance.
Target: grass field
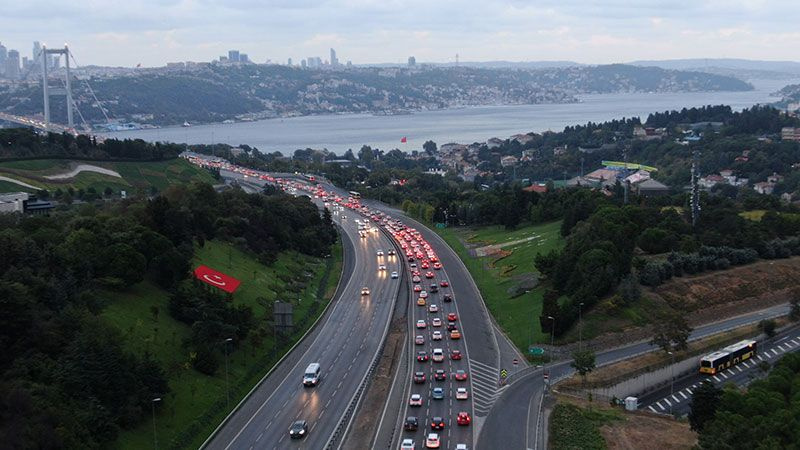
(573, 427)
(197, 403)
(135, 175)
(499, 277)
(7, 186)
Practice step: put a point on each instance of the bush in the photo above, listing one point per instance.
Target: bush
(205, 361)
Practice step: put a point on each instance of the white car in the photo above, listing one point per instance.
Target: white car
(408, 444)
(423, 294)
(421, 324)
(432, 441)
(395, 275)
(461, 446)
(437, 322)
(379, 253)
(438, 355)
(462, 393)
(381, 267)
(437, 336)
(364, 290)
(415, 400)
(433, 308)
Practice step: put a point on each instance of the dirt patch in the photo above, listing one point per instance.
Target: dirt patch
(367, 420)
(640, 431)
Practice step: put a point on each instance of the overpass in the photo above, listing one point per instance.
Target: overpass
(35, 123)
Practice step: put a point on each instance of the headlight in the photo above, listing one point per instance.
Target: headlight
(302, 431)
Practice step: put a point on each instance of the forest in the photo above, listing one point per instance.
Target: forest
(67, 379)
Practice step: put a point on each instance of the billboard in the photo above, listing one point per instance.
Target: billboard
(217, 279)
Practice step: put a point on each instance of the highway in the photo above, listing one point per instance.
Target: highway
(677, 399)
(514, 422)
(345, 343)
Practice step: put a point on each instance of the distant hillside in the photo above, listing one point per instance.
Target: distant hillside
(703, 64)
(789, 94)
(216, 93)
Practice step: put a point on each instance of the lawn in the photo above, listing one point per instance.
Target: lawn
(7, 186)
(503, 279)
(573, 427)
(135, 175)
(197, 403)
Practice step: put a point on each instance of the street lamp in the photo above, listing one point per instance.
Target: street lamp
(671, 379)
(552, 334)
(227, 385)
(155, 435)
(580, 327)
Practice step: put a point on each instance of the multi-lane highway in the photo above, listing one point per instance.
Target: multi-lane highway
(345, 344)
(515, 420)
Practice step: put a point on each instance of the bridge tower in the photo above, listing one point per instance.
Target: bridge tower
(56, 90)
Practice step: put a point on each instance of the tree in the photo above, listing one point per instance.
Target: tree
(629, 290)
(429, 147)
(794, 312)
(767, 326)
(583, 361)
(705, 401)
(673, 332)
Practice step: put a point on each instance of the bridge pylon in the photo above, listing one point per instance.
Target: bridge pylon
(56, 90)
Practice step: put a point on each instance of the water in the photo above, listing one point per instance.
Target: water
(476, 124)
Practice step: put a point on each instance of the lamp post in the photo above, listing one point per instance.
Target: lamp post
(580, 326)
(552, 336)
(155, 435)
(671, 379)
(227, 385)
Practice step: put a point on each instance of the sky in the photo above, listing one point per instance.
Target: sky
(154, 32)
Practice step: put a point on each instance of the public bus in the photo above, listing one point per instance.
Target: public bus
(355, 195)
(727, 357)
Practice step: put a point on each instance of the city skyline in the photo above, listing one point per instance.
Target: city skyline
(157, 32)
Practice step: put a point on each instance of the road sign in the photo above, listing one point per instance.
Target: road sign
(503, 373)
(515, 361)
(535, 350)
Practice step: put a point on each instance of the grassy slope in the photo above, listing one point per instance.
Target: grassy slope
(496, 277)
(572, 427)
(135, 175)
(197, 400)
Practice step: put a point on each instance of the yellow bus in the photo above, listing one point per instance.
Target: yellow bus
(727, 357)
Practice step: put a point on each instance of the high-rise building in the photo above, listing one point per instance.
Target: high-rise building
(233, 55)
(12, 65)
(3, 58)
(244, 58)
(37, 50)
(412, 61)
(303, 63)
(289, 62)
(334, 59)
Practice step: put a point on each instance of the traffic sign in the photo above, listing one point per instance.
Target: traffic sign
(515, 361)
(535, 350)
(503, 373)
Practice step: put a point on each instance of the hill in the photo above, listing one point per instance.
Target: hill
(215, 93)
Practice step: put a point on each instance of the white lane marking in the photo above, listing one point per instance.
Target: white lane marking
(658, 403)
(739, 368)
(794, 341)
(760, 358)
(652, 409)
(668, 402)
(683, 395)
(723, 375)
(677, 400)
(716, 379)
(774, 352)
(689, 390)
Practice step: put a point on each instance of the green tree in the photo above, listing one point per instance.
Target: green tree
(583, 361)
(125, 263)
(672, 332)
(767, 326)
(429, 147)
(705, 401)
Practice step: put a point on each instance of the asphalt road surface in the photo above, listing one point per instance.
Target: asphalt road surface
(676, 399)
(514, 421)
(345, 343)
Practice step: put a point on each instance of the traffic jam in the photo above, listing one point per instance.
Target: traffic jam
(440, 382)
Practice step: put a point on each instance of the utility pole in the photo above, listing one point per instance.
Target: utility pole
(155, 434)
(227, 384)
(671, 379)
(580, 327)
(552, 335)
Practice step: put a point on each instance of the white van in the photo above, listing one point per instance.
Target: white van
(312, 375)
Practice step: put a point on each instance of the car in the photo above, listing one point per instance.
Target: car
(419, 377)
(415, 400)
(422, 356)
(391, 253)
(462, 393)
(437, 322)
(423, 294)
(395, 275)
(344, 217)
(451, 326)
(434, 308)
(424, 264)
(452, 317)
(437, 265)
(410, 259)
(437, 393)
(421, 324)
(434, 288)
(432, 441)
(417, 288)
(447, 298)
(437, 335)
(379, 253)
(413, 267)
(421, 301)
(455, 355)
(455, 334)
(416, 279)
(364, 290)
(444, 283)
(411, 423)
(419, 340)
(460, 375)
(461, 446)
(415, 273)
(428, 274)
(438, 355)
(298, 430)
(381, 267)
(440, 375)
(407, 444)
(463, 418)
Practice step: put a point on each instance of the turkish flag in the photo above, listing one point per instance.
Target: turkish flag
(403, 140)
(217, 279)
